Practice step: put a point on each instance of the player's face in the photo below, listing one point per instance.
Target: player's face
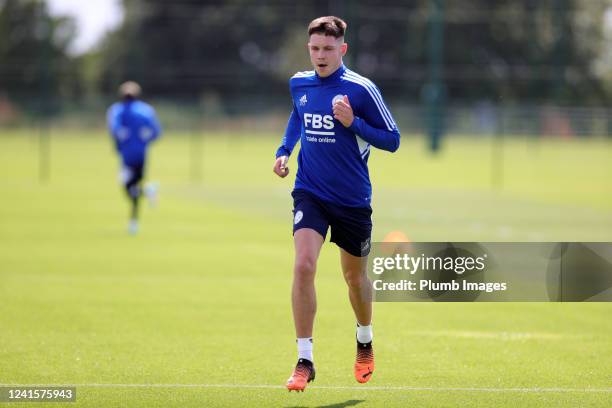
(326, 53)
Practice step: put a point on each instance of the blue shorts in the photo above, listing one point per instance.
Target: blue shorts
(351, 227)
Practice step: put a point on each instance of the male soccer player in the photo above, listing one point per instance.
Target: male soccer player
(338, 115)
(133, 124)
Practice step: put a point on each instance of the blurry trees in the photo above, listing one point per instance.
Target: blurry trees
(188, 47)
(497, 50)
(539, 50)
(35, 69)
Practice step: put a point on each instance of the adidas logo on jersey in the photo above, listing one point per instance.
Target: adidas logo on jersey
(303, 100)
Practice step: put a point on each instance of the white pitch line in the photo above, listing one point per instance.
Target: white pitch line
(495, 335)
(330, 387)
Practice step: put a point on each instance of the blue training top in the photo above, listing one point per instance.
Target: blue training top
(333, 159)
(133, 125)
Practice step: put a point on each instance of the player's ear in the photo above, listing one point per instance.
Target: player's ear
(343, 48)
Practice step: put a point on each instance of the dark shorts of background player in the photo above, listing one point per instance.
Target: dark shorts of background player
(134, 176)
(351, 227)
(131, 177)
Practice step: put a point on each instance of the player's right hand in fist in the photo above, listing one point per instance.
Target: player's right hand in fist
(280, 166)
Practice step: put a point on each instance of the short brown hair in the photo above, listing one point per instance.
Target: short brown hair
(130, 90)
(328, 25)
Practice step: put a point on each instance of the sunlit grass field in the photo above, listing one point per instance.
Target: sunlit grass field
(195, 311)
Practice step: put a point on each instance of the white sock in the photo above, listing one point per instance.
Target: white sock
(364, 333)
(304, 345)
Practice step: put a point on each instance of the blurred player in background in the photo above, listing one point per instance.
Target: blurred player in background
(133, 124)
(338, 115)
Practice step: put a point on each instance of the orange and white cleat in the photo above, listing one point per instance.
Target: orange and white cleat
(364, 362)
(303, 373)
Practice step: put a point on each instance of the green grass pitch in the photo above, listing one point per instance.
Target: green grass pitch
(195, 310)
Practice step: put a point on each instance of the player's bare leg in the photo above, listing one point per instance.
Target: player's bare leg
(360, 295)
(308, 244)
(360, 287)
(133, 192)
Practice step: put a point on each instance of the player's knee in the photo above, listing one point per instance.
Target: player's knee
(355, 279)
(305, 267)
(133, 191)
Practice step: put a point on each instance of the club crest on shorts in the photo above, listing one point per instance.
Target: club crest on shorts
(298, 217)
(337, 98)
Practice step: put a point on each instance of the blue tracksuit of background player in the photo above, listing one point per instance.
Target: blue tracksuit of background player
(133, 125)
(332, 163)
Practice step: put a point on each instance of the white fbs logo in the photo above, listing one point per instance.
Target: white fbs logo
(316, 122)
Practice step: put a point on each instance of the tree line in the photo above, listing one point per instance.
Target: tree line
(497, 50)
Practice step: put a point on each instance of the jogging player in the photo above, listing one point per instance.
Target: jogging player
(338, 115)
(133, 124)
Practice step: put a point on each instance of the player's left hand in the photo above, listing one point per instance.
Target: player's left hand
(343, 112)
